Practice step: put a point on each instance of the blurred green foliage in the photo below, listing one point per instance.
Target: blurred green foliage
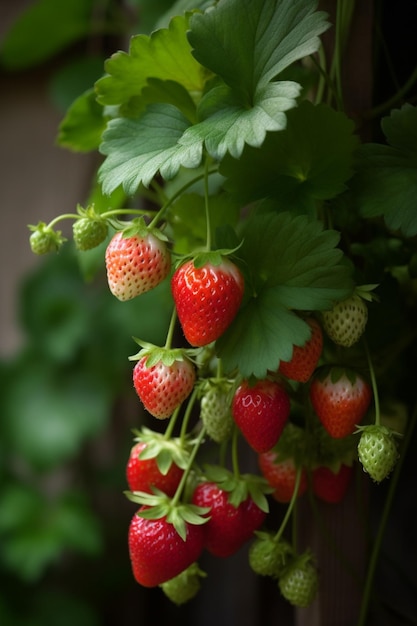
(60, 393)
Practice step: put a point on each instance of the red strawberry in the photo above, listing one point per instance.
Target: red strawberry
(304, 358)
(207, 298)
(163, 386)
(229, 526)
(157, 552)
(261, 411)
(331, 486)
(281, 475)
(340, 399)
(135, 264)
(142, 474)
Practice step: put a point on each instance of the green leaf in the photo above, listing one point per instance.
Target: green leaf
(83, 125)
(50, 412)
(386, 179)
(228, 123)
(164, 55)
(249, 42)
(45, 28)
(167, 91)
(295, 266)
(137, 149)
(310, 160)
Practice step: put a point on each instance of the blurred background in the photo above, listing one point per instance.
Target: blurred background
(66, 405)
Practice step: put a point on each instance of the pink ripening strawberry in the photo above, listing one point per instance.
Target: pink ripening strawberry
(137, 260)
(162, 386)
(207, 298)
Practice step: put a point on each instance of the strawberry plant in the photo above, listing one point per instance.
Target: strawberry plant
(233, 173)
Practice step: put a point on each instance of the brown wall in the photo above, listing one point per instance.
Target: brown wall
(38, 179)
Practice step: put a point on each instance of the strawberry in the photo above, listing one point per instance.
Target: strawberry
(215, 412)
(157, 552)
(345, 323)
(269, 556)
(207, 298)
(45, 239)
(298, 584)
(162, 384)
(281, 475)
(331, 486)
(228, 526)
(304, 358)
(89, 233)
(340, 398)
(137, 260)
(185, 586)
(377, 451)
(261, 411)
(143, 474)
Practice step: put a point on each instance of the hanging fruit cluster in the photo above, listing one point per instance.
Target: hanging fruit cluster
(244, 180)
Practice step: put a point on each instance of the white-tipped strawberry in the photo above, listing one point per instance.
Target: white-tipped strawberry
(137, 260)
(163, 379)
(345, 323)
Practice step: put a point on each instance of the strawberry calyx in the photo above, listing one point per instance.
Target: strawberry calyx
(138, 227)
(158, 505)
(366, 292)
(239, 487)
(204, 257)
(164, 450)
(157, 354)
(335, 373)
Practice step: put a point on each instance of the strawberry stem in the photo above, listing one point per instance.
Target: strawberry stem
(383, 522)
(171, 329)
(178, 194)
(235, 455)
(191, 460)
(171, 423)
(373, 383)
(187, 415)
(207, 205)
(291, 505)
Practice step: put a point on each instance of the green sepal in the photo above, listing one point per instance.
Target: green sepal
(165, 451)
(366, 292)
(204, 257)
(336, 372)
(240, 487)
(139, 228)
(157, 354)
(159, 505)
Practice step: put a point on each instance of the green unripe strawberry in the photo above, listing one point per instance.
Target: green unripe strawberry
(215, 410)
(89, 233)
(185, 586)
(44, 239)
(346, 322)
(377, 451)
(299, 583)
(267, 556)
